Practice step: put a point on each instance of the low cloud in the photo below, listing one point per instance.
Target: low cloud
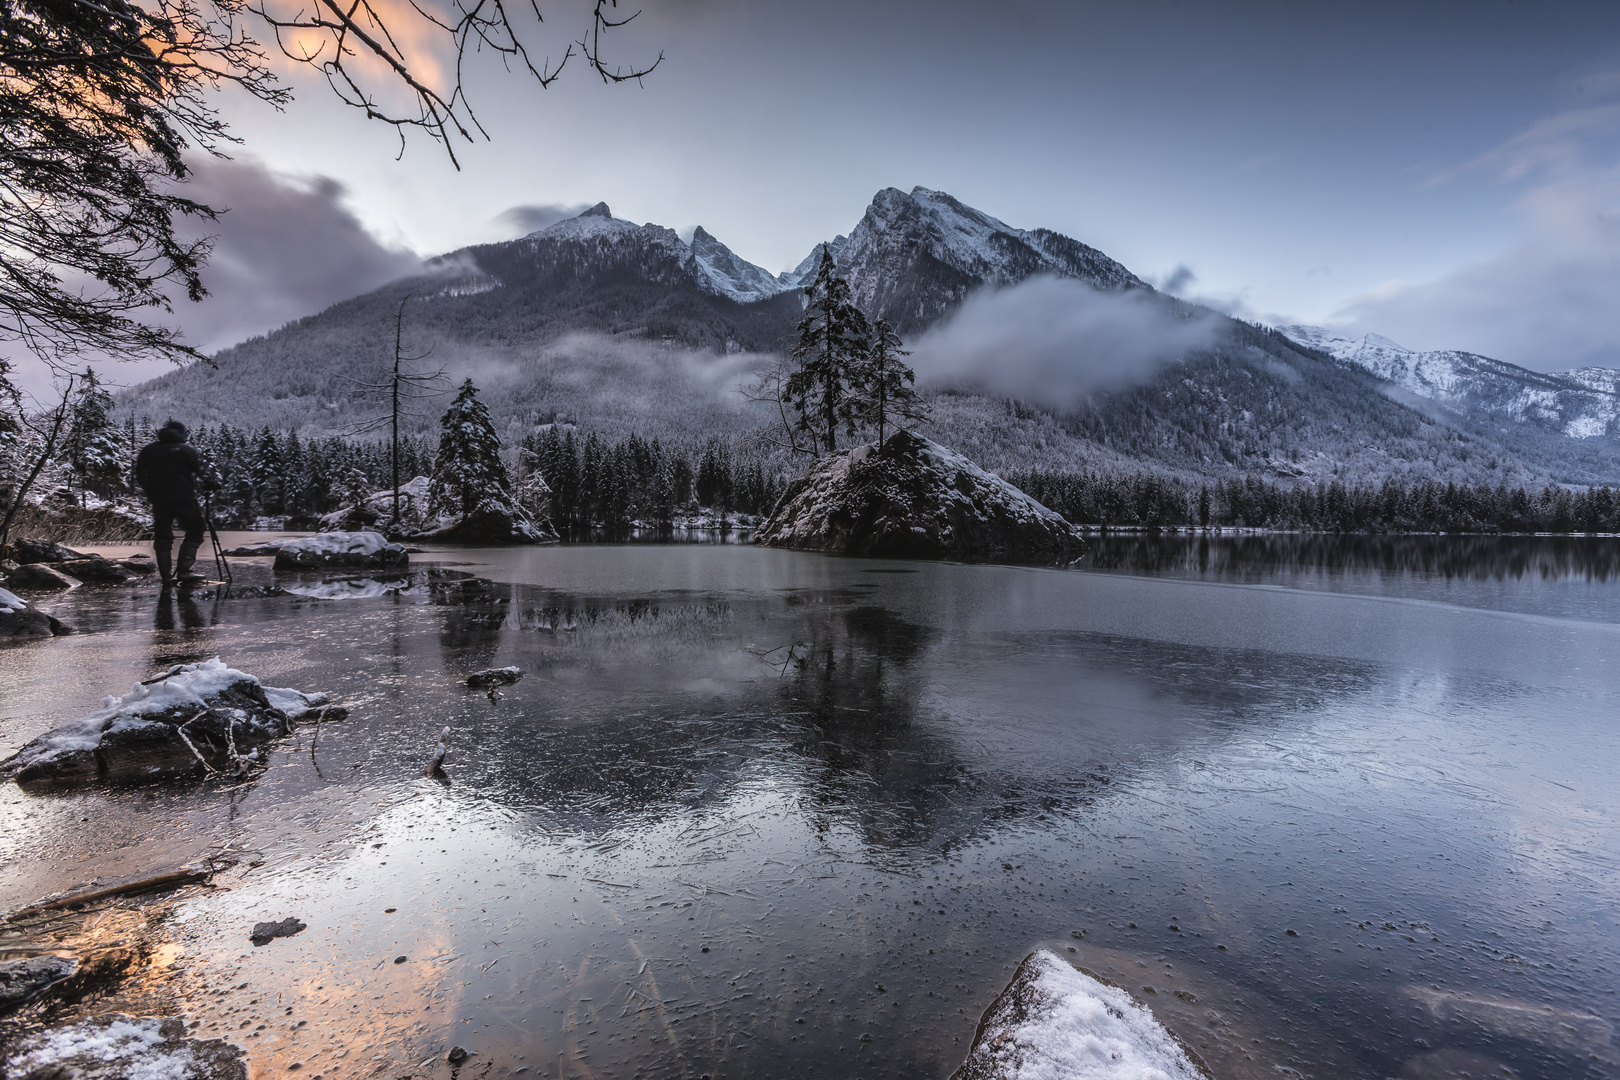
(1053, 341)
(1548, 301)
(285, 247)
(523, 220)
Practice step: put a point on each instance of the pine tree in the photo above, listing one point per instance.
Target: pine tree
(468, 475)
(888, 386)
(830, 358)
(92, 444)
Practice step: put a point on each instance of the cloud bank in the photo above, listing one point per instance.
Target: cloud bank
(1552, 300)
(523, 220)
(285, 247)
(1054, 342)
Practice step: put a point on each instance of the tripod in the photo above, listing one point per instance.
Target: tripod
(220, 564)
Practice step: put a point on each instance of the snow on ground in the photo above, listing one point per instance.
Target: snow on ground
(1056, 1023)
(137, 1047)
(11, 603)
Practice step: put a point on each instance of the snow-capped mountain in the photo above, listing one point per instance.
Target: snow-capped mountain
(1580, 404)
(915, 256)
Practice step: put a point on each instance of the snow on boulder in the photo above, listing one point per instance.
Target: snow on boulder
(119, 1047)
(1055, 1023)
(21, 621)
(341, 549)
(379, 507)
(195, 718)
(914, 499)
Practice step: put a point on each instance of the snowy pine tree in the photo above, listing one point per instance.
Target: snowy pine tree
(830, 356)
(888, 388)
(469, 479)
(93, 445)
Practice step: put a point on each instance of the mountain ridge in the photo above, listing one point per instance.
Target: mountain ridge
(612, 326)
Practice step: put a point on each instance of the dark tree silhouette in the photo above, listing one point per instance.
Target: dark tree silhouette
(830, 357)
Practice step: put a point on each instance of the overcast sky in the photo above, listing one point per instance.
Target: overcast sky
(1447, 174)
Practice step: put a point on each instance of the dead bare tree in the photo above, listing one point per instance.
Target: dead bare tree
(46, 451)
(407, 385)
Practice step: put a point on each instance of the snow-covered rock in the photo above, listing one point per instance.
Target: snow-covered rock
(340, 549)
(167, 727)
(1055, 1023)
(119, 1047)
(22, 621)
(414, 497)
(913, 498)
(1580, 404)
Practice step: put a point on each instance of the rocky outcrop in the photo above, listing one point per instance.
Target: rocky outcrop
(488, 527)
(25, 550)
(25, 978)
(1053, 1020)
(41, 577)
(345, 550)
(193, 719)
(913, 499)
(94, 568)
(22, 621)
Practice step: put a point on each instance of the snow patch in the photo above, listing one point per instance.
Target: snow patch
(11, 603)
(1056, 1023)
(139, 1047)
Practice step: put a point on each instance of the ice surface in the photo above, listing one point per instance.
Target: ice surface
(1056, 1023)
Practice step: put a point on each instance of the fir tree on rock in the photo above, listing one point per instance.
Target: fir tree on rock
(471, 492)
(890, 384)
(826, 386)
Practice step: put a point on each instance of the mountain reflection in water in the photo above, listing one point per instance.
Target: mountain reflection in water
(769, 814)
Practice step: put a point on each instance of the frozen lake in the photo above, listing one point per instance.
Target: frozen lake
(1348, 809)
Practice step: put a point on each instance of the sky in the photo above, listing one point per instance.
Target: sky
(1444, 174)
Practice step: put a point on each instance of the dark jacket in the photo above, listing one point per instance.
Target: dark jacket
(167, 470)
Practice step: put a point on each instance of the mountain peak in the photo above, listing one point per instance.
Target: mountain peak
(599, 210)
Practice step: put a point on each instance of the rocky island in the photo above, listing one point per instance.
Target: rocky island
(912, 498)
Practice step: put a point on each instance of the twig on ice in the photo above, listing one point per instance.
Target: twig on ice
(436, 766)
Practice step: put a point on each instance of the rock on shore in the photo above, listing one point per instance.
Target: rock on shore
(348, 550)
(22, 621)
(913, 499)
(1055, 1021)
(155, 731)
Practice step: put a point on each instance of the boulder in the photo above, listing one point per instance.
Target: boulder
(21, 621)
(1053, 1020)
(495, 676)
(25, 550)
(96, 569)
(140, 564)
(22, 979)
(488, 527)
(195, 718)
(118, 1047)
(341, 549)
(251, 551)
(913, 499)
(41, 577)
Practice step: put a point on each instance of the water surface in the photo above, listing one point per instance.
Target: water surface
(759, 813)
